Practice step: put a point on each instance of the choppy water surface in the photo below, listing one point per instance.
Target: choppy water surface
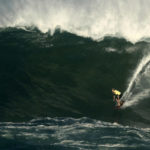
(73, 134)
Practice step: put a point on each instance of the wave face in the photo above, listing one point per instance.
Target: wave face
(67, 75)
(72, 134)
(129, 19)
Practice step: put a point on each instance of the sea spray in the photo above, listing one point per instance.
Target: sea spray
(129, 95)
(93, 19)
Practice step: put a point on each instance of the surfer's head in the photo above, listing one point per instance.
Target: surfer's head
(113, 89)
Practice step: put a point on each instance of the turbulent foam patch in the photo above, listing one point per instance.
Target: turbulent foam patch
(109, 49)
(83, 133)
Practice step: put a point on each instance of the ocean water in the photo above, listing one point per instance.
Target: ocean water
(72, 134)
(58, 64)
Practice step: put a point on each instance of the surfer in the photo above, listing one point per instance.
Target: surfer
(116, 98)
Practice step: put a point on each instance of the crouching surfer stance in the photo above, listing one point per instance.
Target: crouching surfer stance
(116, 98)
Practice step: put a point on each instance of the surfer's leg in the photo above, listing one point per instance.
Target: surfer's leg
(118, 97)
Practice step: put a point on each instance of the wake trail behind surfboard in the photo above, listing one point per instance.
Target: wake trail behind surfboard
(136, 89)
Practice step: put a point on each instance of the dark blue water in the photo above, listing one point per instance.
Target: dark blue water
(72, 134)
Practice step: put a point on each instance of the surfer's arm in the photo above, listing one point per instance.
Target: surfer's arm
(114, 98)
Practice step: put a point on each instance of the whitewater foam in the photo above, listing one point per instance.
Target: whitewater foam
(136, 98)
(129, 19)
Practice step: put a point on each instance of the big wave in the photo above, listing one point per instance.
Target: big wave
(68, 75)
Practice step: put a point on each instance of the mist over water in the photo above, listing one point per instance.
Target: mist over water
(129, 19)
